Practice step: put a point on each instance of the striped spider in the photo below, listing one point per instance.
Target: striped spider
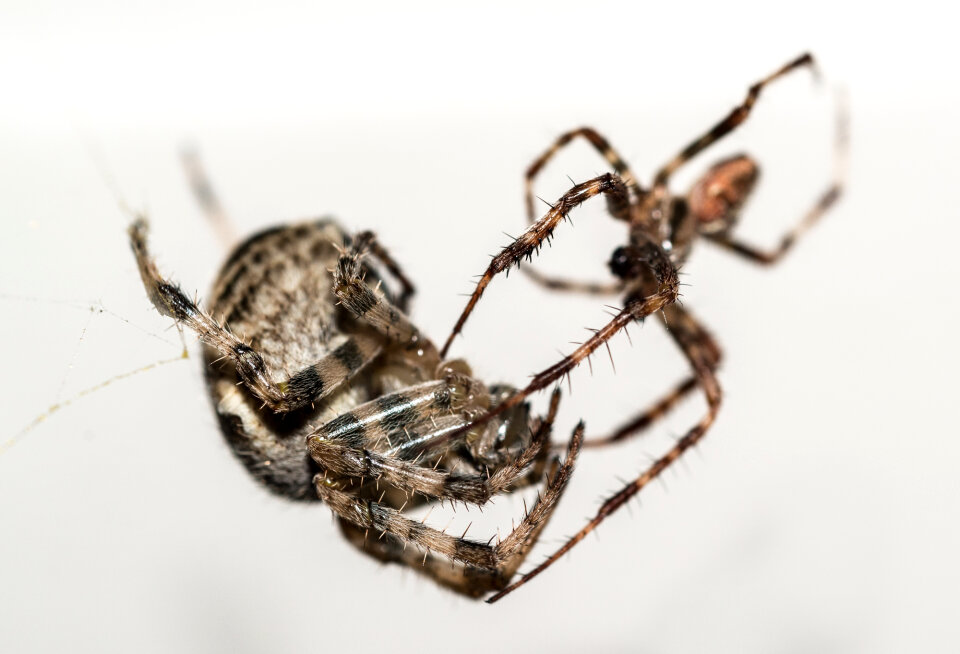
(326, 390)
(662, 229)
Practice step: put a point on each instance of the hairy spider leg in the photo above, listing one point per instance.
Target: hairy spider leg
(684, 329)
(207, 198)
(599, 143)
(374, 246)
(466, 579)
(823, 203)
(375, 309)
(300, 389)
(635, 309)
(422, 414)
(396, 437)
(524, 246)
(501, 559)
(733, 120)
(702, 357)
(619, 165)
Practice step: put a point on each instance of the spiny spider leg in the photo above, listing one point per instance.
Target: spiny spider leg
(338, 446)
(371, 515)
(210, 204)
(622, 169)
(375, 309)
(636, 309)
(374, 246)
(573, 285)
(608, 184)
(468, 580)
(464, 579)
(302, 388)
(737, 116)
(826, 200)
(207, 198)
(686, 332)
(643, 420)
(701, 358)
(598, 142)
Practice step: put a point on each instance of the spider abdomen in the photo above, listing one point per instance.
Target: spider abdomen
(274, 293)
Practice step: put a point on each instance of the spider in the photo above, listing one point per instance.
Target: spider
(662, 229)
(326, 390)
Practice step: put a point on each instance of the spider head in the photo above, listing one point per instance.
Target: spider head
(716, 199)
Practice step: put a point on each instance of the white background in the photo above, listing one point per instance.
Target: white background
(819, 515)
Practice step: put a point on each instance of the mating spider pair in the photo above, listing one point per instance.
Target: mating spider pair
(333, 393)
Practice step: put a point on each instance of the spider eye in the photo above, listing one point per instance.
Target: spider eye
(621, 263)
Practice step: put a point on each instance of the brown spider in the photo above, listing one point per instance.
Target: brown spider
(662, 229)
(327, 391)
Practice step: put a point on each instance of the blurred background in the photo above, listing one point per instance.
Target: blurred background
(820, 514)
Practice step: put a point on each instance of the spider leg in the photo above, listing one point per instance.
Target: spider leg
(701, 355)
(502, 558)
(599, 143)
(370, 242)
(300, 389)
(684, 329)
(465, 579)
(469, 580)
(823, 203)
(608, 184)
(616, 207)
(737, 116)
(645, 419)
(636, 308)
(345, 445)
(375, 309)
(207, 198)
(573, 285)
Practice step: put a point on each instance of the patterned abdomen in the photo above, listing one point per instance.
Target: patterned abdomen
(275, 293)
